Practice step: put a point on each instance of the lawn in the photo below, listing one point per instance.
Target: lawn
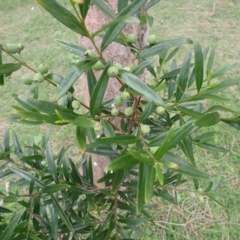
(213, 23)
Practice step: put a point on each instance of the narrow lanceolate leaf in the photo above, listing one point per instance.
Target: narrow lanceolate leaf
(61, 214)
(139, 69)
(183, 76)
(210, 63)
(100, 4)
(153, 51)
(27, 176)
(122, 4)
(221, 71)
(141, 156)
(72, 76)
(8, 232)
(6, 143)
(51, 164)
(114, 30)
(208, 119)
(63, 15)
(124, 161)
(84, 8)
(149, 182)
(81, 135)
(98, 93)
(72, 48)
(92, 81)
(84, 122)
(136, 84)
(119, 140)
(159, 173)
(140, 188)
(198, 55)
(8, 68)
(55, 188)
(108, 129)
(166, 144)
(1, 75)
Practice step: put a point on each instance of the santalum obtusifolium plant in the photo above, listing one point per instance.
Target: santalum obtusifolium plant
(150, 152)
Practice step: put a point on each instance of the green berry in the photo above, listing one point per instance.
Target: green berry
(42, 69)
(20, 46)
(33, 88)
(80, 111)
(114, 112)
(98, 66)
(44, 163)
(118, 66)
(12, 48)
(118, 101)
(125, 95)
(63, 101)
(38, 77)
(112, 72)
(151, 39)
(98, 127)
(89, 54)
(26, 80)
(76, 104)
(145, 129)
(131, 38)
(160, 110)
(128, 111)
(153, 150)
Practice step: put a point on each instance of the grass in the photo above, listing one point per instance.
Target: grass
(213, 23)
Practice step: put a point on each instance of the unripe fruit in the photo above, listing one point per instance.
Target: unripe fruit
(33, 88)
(80, 111)
(118, 66)
(145, 129)
(118, 101)
(38, 77)
(63, 101)
(125, 95)
(26, 80)
(128, 111)
(44, 163)
(153, 150)
(114, 112)
(151, 39)
(76, 104)
(131, 38)
(42, 69)
(112, 72)
(98, 127)
(20, 46)
(128, 69)
(160, 110)
(98, 66)
(12, 48)
(89, 54)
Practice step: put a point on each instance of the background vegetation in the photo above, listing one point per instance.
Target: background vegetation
(214, 24)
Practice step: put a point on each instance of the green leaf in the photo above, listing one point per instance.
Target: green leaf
(153, 51)
(149, 182)
(91, 79)
(199, 69)
(122, 4)
(141, 156)
(151, 3)
(81, 134)
(119, 140)
(139, 69)
(54, 223)
(221, 71)
(212, 147)
(4, 210)
(6, 143)
(8, 68)
(159, 173)
(86, 64)
(183, 76)
(104, 8)
(63, 16)
(140, 188)
(136, 84)
(122, 162)
(29, 177)
(147, 111)
(84, 122)
(51, 164)
(210, 63)
(98, 93)
(84, 8)
(61, 213)
(114, 30)
(72, 48)
(1, 75)
(117, 181)
(55, 188)
(72, 76)
(208, 119)
(166, 144)
(107, 128)
(219, 108)
(8, 232)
